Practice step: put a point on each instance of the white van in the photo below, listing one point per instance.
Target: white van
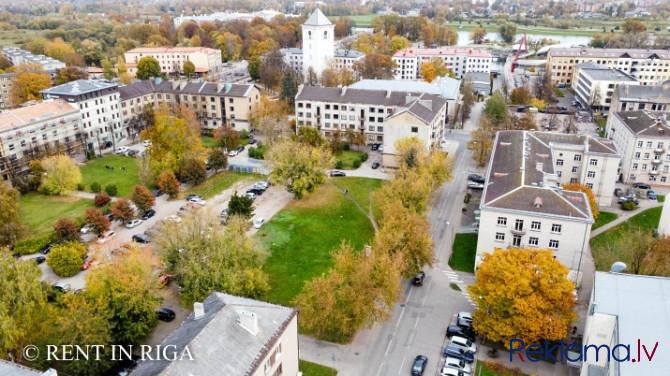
(464, 344)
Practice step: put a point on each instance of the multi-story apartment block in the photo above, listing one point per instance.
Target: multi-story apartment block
(643, 137)
(382, 116)
(293, 58)
(635, 97)
(172, 59)
(98, 101)
(215, 104)
(228, 335)
(18, 56)
(650, 67)
(595, 85)
(30, 132)
(459, 60)
(523, 204)
(6, 82)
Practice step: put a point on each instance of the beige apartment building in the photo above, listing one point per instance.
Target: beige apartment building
(650, 67)
(6, 82)
(172, 59)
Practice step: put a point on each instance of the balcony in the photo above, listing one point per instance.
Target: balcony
(654, 172)
(659, 150)
(520, 231)
(656, 161)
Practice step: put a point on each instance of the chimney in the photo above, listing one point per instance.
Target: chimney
(388, 93)
(248, 321)
(198, 310)
(344, 91)
(539, 166)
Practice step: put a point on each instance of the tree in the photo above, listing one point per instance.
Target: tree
(65, 230)
(544, 88)
(122, 210)
(310, 136)
(241, 205)
(272, 69)
(481, 142)
(168, 183)
(535, 304)
(227, 137)
(269, 117)
(121, 66)
(194, 170)
(468, 100)
(346, 76)
(68, 74)
(596, 98)
(289, 87)
(254, 67)
(375, 66)
(330, 77)
(111, 189)
(537, 103)
(10, 215)
(527, 122)
(434, 68)
(28, 81)
(570, 125)
(218, 160)
(62, 176)
(495, 108)
(66, 258)
(142, 198)
(301, 167)
(589, 194)
(520, 95)
(477, 35)
(631, 26)
(508, 32)
(97, 221)
(108, 69)
(148, 67)
(101, 199)
(188, 69)
(312, 79)
(657, 261)
(399, 43)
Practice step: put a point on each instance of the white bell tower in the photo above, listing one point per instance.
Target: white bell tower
(318, 43)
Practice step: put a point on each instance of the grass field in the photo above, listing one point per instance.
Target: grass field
(16, 38)
(125, 179)
(463, 254)
(363, 20)
(483, 370)
(219, 182)
(301, 237)
(313, 369)
(603, 219)
(660, 198)
(40, 212)
(348, 157)
(210, 142)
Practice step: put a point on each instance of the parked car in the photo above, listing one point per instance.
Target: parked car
(574, 103)
(458, 353)
(618, 192)
(106, 236)
(40, 259)
(110, 216)
(148, 214)
(475, 185)
(189, 197)
(252, 141)
(419, 365)
(62, 287)
(562, 108)
(477, 178)
(122, 150)
(131, 152)
(173, 218)
(141, 238)
(252, 196)
(455, 330)
(381, 148)
(448, 371)
(157, 192)
(47, 248)
(466, 316)
(133, 223)
(256, 191)
(85, 230)
(240, 149)
(622, 200)
(651, 195)
(165, 314)
(375, 165)
(87, 262)
(198, 200)
(521, 109)
(224, 213)
(418, 279)
(337, 173)
(641, 186)
(374, 147)
(458, 364)
(463, 343)
(232, 153)
(259, 222)
(263, 183)
(260, 186)
(146, 143)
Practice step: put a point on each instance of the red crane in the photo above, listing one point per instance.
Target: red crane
(523, 43)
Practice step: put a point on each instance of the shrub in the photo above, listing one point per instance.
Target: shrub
(339, 164)
(468, 196)
(66, 229)
(66, 258)
(96, 187)
(101, 199)
(111, 189)
(628, 205)
(364, 157)
(346, 146)
(30, 246)
(357, 163)
(80, 187)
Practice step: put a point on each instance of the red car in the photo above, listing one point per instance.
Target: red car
(87, 263)
(165, 279)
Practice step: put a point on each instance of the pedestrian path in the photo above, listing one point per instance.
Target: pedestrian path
(623, 217)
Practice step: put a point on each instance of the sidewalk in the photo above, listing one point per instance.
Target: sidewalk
(623, 216)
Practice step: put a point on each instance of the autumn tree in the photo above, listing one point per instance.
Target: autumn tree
(142, 198)
(481, 142)
(28, 81)
(218, 160)
(310, 136)
(330, 77)
(657, 261)
(468, 100)
(434, 68)
(589, 194)
(375, 66)
(508, 32)
(632, 26)
(194, 170)
(11, 227)
(108, 69)
(62, 176)
(68, 74)
(629, 244)
(527, 122)
(148, 67)
(227, 137)
(300, 167)
(399, 43)
(241, 205)
(188, 68)
(66, 229)
(97, 221)
(269, 117)
(272, 69)
(522, 294)
(477, 35)
(168, 183)
(66, 258)
(122, 210)
(520, 95)
(101, 199)
(570, 124)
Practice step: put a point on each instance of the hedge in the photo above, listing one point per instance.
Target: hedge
(33, 245)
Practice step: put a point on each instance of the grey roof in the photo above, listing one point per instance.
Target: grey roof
(646, 123)
(348, 54)
(610, 53)
(445, 87)
(478, 77)
(140, 88)
(291, 50)
(601, 73)
(317, 19)
(642, 307)
(218, 343)
(79, 87)
(643, 93)
(14, 369)
(386, 97)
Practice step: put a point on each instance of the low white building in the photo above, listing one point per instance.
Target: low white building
(595, 84)
(459, 60)
(172, 59)
(643, 137)
(19, 56)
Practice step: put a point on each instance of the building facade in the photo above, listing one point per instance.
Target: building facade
(172, 59)
(650, 67)
(635, 97)
(19, 56)
(643, 137)
(595, 84)
(318, 43)
(459, 60)
(6, 82)
(293, 57)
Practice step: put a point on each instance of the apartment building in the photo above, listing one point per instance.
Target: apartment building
(98, 102)
(14, 369)
(28, 133)
(19, 56)
(650, 67)
(228, 335)
(459, 60)
(215, 104)
(523, 204)
(6, 82)
(172, 59)
(643, 137)
(293, 57)
(595, 84)
(382, 116)
(635, 97)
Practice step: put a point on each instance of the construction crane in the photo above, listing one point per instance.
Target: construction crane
(522, 44)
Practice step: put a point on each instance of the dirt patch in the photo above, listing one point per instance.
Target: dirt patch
(324, 195)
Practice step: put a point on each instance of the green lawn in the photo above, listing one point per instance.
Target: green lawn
(219, 182)
(660, 198)
(210, 142)
(125, 179)
(603, 219)
(464, 252)
(348, 157)
(364, 20)
(313, 369)
(40, 212)
(483, 370)
(16, 38)
(301, 237)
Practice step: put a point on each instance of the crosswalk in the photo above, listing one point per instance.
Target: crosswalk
(456, 278)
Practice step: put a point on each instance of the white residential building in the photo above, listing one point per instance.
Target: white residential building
(459, 60)
(172, 59)
(98, 102)
(643, 137)
(595, 84)
(636, 97)
(293, 57)
(318, 43)
(19, 56)
(523, 204)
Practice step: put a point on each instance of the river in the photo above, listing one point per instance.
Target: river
(464, 38)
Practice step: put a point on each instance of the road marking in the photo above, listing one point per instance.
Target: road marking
(417, 320)
(389, 346)
(402, 312)
(402, 365)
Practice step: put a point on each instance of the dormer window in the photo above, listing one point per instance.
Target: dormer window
(325, 35)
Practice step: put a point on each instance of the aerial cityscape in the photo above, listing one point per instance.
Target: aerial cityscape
(321, 188)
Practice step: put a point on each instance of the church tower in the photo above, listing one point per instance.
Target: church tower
(318, 43)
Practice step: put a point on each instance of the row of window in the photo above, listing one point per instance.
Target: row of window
(652, 178)
(532, 241)
(653, 168)
(534, 225)
(657, 157)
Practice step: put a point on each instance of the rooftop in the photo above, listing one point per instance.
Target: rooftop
(610, 53)
(79, 87)
(188, 50)
(50, 108)
(150, 86)
(317, 19)
(646, 123)
(220, 345)
(478, 77)
(15, 369)
(657, 94)
(601, 73)
(442, 51)
(445, 87)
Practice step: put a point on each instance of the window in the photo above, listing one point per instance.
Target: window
(533, 241)
(559, 173)
(553, 244)
(593, 162)
(649, 144)
(371, 128)
(371, 119)
(644, 167)
(500, 236)
(659, 145)
(416, 130)
(556, 228)
(380, 119)
(637, 155)
(516, 241)
(535, 226)
(575, 169)
(502, 221)
(559, 162)
(591, 174)
(646, 155)
(327, 107)
(380, 129)
(589, 186)
(632, 177)
(635, 165)
(518, 225)
(372, 110)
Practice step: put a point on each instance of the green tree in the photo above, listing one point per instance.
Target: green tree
(495, 108)
(508, 32)
(218, 160)
(10, 215)
(122, 210)
(289, 87)
(97, 221)
(241, 205)
(399, 43)
(188, 68)
(62, 176)
(254, 67)
(468, 100)
(108, 69)
(66, 229)
(168, 183)
(300, 167)
(66, 258)
(311, 136)
(111, 189)
(142, 198)
(536, 304)
(194, 170)
(148, 67)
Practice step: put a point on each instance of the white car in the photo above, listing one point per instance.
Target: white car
(446, 371)
(173, 218)
(464, 344)
(251, 195)
(380, 148)
(134, 223)
(85, 230)
(233, 153)
(146, 143)
(197, 200)
(458, 364)
(122, 150)
(106, 236)
(259, 222)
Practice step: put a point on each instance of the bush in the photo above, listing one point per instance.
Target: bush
(628, 205)
(66, 229)
(468, 196)
(346, 146)
(96, 187)
(101, 199)
(111, 189)
(357, 163)
(66, 258)
(364, 157)
(30, 246)
(339, 164)
(90, 154)
(80, 187)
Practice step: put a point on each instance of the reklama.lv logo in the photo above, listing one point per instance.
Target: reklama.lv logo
(620, 353)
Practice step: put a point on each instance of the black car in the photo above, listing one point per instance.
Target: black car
(240, 149)
(140, 238)
(150, 213)
(337, 173)
(375, 165)
(618, 192)
(256, 191)
(460, 354)
(419, 365)
(622, 200)
(253, 141)
(521, 109)
(465, 332)
(374, 147)
(418, 279)
(110, 216)
(562, 108)
(165, 314)
(642, 186)
(40, 259)
(47, 248)
(157, 192)
(476, 178)
(132, 152)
